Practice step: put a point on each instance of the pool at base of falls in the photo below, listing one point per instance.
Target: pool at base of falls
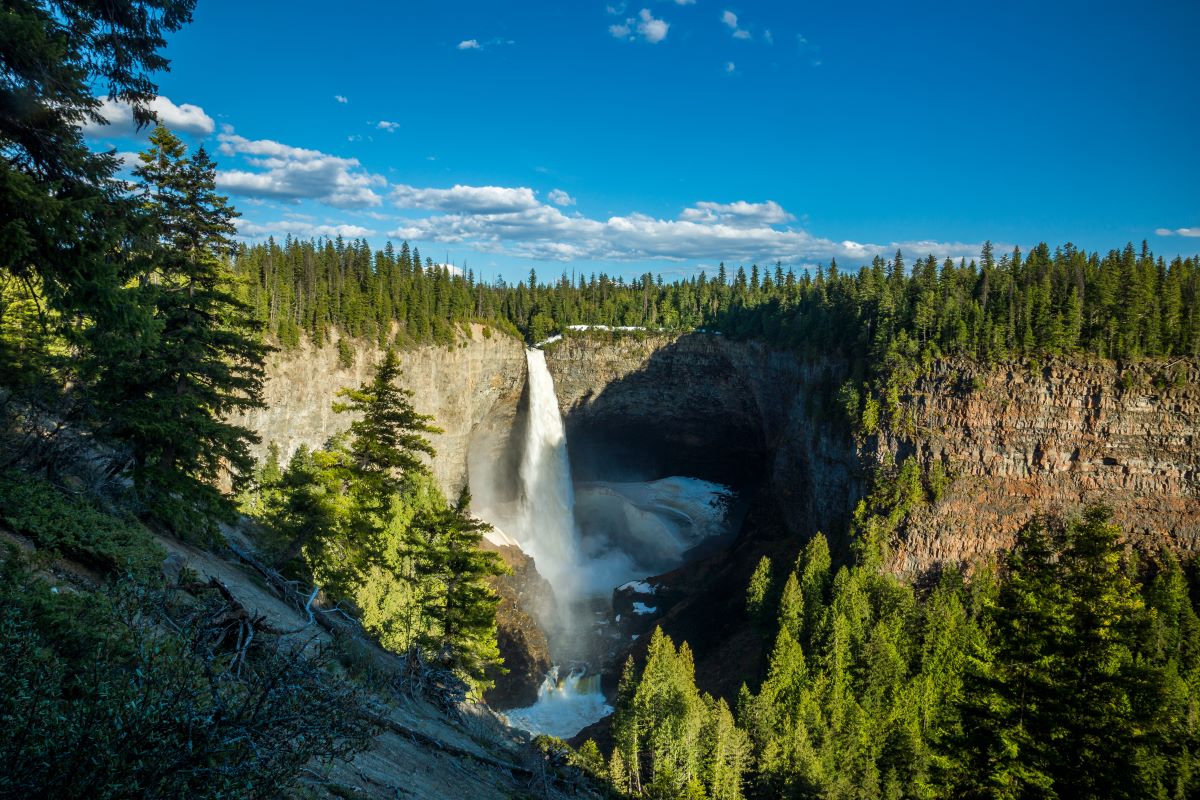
(564, 706)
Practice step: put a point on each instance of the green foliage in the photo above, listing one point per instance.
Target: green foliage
(671, 741)
(345, 352)
(1065, 705)
(884, 318)
(1065, 675)
(61, 211)
(181, 354)
(128, 694)
(758, 591)
(74, 528)
(365, 520)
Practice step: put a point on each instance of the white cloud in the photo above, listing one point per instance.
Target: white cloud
(469, 44)
(768, 37)
(741, 230)
(281, 170)
(384, 125)
(651, 29)
(183, 118)
(469, 199)
(1190, 232)
(560, 198)
(301, 228)
(737, 213)
(731, 21)
(730, 67)
(685, 2)
(341, 98)
(620, 31)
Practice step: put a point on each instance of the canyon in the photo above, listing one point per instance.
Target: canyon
(1014, 439)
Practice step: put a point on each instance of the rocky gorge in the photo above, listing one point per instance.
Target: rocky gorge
(1014, 439)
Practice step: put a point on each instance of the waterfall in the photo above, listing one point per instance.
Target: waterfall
(547, 502)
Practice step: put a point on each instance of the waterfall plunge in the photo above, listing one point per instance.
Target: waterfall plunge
(547, 503)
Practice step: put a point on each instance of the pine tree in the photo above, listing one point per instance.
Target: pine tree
(451, 570)
(388, 439)
(757, 592)
(168, 379)
(63, 215)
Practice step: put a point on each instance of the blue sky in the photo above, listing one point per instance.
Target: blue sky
(671, 134)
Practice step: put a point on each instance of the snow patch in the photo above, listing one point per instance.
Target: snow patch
(637, 587)
(501, 539)
(642, 608)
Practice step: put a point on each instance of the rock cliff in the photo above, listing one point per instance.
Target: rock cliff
(472, 385)
(1021, 440)
(1015, 440)
(705, 406)
(525, 597)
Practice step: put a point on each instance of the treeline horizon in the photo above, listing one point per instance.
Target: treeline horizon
(1127, 303)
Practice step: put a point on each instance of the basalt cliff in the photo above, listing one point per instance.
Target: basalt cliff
(1014, 440)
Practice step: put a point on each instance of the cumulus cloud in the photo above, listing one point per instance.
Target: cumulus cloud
(1190, 232)
(469, 199)
(620, 31)
(707, 230)
(183, 118)
(560, 198)
(737, 213)
(341, 98)
(651, 29)
(384, 125)
(468, 44)
(284, 171)
(301, 227)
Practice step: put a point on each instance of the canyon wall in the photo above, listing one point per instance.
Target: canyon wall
(1015, 440)
(706, 406)
(475, 382)
(1019, 441)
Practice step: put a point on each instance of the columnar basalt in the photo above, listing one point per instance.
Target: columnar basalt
(1019, 440)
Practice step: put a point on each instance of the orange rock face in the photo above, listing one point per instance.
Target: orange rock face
(1019, 441)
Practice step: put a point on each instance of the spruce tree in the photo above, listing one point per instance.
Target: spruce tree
(168, 378)
(451, 571)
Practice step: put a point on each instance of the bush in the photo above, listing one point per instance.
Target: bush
(118, 708)
(73, 528)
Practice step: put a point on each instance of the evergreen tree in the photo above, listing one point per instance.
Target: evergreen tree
(459, 603)
(62, 213)
(167, 379)
(388, 439)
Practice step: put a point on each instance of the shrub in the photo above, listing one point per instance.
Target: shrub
(118, 707)
(73, 528)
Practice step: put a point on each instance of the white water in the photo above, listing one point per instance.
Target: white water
(564, 707)
(632, 529)
(547, 503)
(626, 531)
